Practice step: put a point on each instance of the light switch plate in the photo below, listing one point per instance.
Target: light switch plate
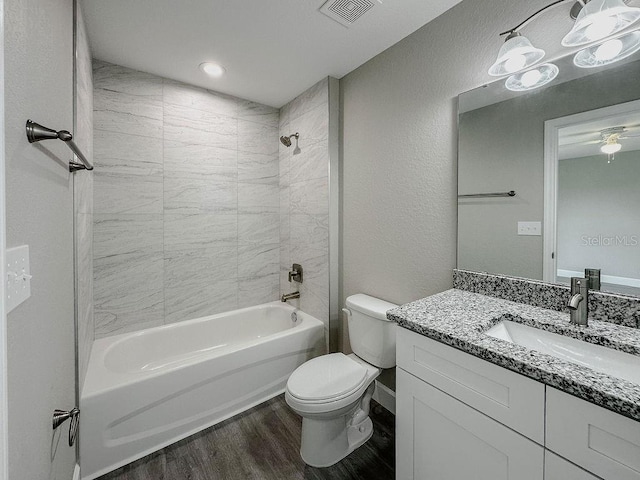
(530, 228)
(18, 276)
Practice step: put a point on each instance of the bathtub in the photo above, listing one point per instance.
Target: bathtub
(148, 389)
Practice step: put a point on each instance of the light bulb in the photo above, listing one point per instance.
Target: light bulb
(602, 27)
(608, 50)
(515, 63)
(212, 69)
(610, 148)
(531, 77)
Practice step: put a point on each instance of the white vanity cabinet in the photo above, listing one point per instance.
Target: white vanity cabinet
(459, 417)
(557, 468)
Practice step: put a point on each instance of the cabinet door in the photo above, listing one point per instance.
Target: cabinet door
(557, 468)
(441, 438)
(597, 439)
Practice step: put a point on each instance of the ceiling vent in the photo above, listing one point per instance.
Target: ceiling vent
(346, 12)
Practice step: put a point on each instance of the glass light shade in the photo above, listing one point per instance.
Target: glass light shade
(532, 79)
(515, 54)
(599, 19)
(608, 52)
(611, 148)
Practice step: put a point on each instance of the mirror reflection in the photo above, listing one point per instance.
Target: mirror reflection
(571, 153)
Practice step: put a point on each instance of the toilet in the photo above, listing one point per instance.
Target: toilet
(332, 393)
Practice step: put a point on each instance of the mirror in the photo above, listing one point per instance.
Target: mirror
(574, 206)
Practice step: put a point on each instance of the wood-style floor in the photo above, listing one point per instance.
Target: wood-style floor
(263, 444)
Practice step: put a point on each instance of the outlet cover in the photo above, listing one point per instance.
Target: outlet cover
(530, 228)
(18, 276)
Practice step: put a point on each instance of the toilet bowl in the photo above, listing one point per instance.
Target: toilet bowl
(332, 393)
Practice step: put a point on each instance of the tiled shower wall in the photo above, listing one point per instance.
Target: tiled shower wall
(187, 209)
(83, 197)
(304, 198)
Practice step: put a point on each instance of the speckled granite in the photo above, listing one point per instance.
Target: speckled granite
(607, 307)
(460, 319)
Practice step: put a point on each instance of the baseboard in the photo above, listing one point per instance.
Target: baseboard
(76, 472)
(385, 397)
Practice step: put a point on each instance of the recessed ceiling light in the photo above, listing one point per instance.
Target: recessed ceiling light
(212, 69)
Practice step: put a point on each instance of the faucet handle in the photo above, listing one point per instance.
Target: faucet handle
(295, 273)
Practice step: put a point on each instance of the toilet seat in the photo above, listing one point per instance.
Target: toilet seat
(329, 382)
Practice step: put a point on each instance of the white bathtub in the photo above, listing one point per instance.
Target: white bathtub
(148, 389)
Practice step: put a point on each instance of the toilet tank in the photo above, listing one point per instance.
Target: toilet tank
(372, 336)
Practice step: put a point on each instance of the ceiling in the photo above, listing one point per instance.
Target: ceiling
(273, 50)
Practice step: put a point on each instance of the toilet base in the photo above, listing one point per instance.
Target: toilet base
(326, 442)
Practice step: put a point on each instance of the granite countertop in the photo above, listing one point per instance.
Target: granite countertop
(460, 319)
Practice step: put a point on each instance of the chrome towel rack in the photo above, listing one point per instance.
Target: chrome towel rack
(510, 193)
(37, 133)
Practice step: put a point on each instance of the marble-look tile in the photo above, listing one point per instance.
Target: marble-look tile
(188, 300)
(118, 234)
(258, 290)
(285, 200)
(176, 93)
(201, 265)
(311, 163)
(315, 262)
(309, 230)
(125, 154)
(317, 95)
(257, 168)
(258, 229)
(136, 114)
(115, 78)
(285, 228)
(198, 161)
(313, 304)
(188, 125)
(83, 192)
(312, 125)
(256, 112)
(310, 197)
(283, 122)
(187, 231)
(189, 195)
(257, 138)
(127, 193)
(258, 260)
(258, 198)
(128, 292)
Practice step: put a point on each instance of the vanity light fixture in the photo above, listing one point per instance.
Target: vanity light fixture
(212, 69)
(609, 51)
(532, 79)
(595, 20)
(599, 19)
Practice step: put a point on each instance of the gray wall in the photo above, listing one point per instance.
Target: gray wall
(399, 147)
(304, 199)
(83, 198)
(502, 148)
(39, 206)
(186, 201)
(596, 198)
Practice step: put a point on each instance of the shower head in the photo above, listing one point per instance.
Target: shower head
(286, 141)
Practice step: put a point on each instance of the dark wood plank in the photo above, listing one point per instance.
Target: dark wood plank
(263, 443)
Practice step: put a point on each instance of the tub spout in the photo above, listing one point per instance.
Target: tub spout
(289, 296)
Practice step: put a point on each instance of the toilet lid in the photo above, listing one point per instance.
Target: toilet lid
(326, 377)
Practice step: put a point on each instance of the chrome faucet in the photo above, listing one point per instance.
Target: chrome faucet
(579, 301)
(289, 296)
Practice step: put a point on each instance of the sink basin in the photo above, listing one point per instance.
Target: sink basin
(601, 359)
